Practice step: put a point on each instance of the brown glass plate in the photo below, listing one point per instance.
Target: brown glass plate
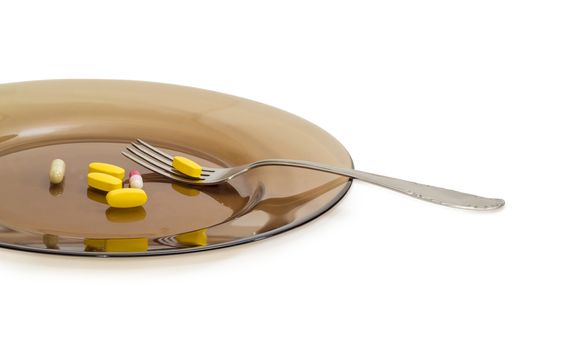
(83, 121)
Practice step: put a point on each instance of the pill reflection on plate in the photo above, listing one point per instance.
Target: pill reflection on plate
(185, 190)
(194, 239)
(56, 189)
(97, 196)
(50, 241)
(123, 215)
(118, 245)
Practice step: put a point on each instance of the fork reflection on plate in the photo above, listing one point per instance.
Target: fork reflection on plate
(161, 163)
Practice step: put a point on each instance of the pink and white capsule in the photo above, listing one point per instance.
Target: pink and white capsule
(135, 179)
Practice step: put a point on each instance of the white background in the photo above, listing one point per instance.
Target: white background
(479, 96)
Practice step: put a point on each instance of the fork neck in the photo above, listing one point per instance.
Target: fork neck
(304, 164)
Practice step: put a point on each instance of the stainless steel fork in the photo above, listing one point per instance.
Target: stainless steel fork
(160, 162)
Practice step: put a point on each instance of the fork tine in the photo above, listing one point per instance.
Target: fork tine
(152, 154)
(161, 171)
(155, 149)
(166, 166)
(144, 146)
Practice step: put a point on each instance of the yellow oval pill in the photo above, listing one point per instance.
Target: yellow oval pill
(109, 169)
(126, 198)
(187, 166)
(104, 182)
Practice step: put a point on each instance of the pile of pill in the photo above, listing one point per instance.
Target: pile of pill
(107, 178)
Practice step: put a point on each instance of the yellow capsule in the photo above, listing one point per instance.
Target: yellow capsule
(104, 182)
(109, 169)
(187, 166)
(194, 238)
(56, 172)
(126, 198)
(119, 245)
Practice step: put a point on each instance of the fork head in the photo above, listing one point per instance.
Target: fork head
(160, 162)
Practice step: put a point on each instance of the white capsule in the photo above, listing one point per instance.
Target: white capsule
(136, 181)
(57, 170)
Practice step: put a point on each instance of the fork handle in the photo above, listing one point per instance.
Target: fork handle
(428, 193)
